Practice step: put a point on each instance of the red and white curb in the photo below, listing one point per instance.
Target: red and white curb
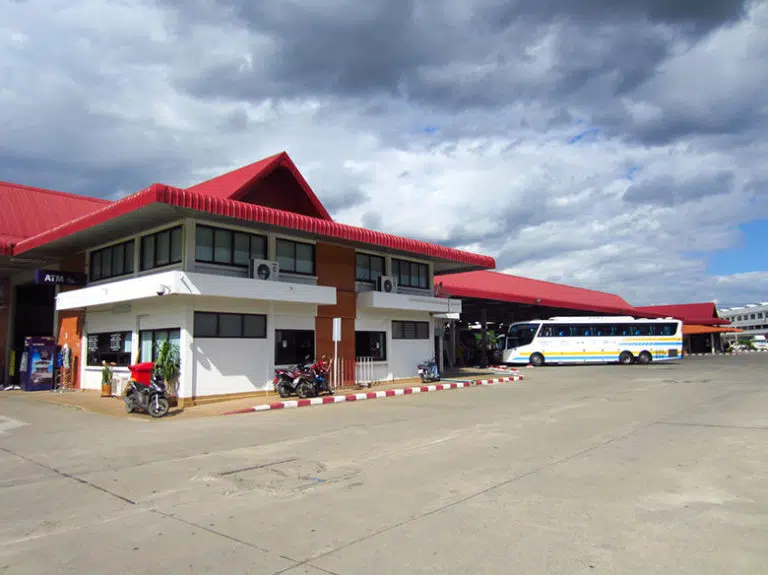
(328, 399)
(504, 368)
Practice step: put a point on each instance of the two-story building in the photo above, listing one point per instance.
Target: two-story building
(244, 272)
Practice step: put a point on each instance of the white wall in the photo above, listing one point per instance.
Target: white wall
(222, 366)
(403, 355)
(163, 313)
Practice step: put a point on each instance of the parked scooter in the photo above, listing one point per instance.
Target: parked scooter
(146, 391)
(287, 380)
(315, 382)
(428, 371)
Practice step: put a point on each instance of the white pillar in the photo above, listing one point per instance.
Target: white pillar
(440, 339)
(712, 342)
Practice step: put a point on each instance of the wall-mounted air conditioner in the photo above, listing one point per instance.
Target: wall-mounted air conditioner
(386, 284)
(264, 270)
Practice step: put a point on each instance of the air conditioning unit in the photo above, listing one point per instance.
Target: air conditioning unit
(264, 270)
(387, 284)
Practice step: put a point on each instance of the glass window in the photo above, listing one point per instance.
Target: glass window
(118, 260)
(205, 324)
(259, 247)
(295, 257)
(411, 274)
(231, 325)
(112, 261)
(222, 247)
(254, 326)
(227, 247)
(242, 249)
(150, 341)
(114, 348)
(177, 244)
(163, 248)
(371, 344)
(293, 346)
(410, 329)
(147, 252)
(368, 268)
(204, 244)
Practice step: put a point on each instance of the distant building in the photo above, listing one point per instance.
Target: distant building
(752, 318)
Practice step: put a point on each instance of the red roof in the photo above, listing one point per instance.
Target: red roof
(244, 182)
(162, 194)
(691, 313)
(509, 288)
(26, 211)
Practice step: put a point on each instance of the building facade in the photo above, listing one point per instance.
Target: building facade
(752, 318)
(244, 273)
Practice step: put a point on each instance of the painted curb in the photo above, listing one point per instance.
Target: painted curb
(726, 354)
(329, 399)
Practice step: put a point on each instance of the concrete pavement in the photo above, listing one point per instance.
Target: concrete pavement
(610, 469)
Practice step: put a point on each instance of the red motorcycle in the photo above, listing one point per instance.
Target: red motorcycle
(304, 380)
(287, 380)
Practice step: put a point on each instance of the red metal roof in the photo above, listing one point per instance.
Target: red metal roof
(504, 287)
(237, 184)
(691, 313)
(160, 193)
(26, 211)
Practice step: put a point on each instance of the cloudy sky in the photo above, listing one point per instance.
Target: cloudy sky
(612, 144)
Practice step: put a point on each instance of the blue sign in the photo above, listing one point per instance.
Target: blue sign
(61, 278)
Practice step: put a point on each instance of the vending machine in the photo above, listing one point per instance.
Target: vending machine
(36, 369)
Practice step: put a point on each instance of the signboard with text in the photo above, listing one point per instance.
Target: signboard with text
(62, 278)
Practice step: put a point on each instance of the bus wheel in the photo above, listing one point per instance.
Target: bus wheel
(625, 358)
(537, 360)
(644, 358)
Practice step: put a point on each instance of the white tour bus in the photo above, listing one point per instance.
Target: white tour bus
(621, 339)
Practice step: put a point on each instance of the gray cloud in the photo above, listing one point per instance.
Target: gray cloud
(667, 191)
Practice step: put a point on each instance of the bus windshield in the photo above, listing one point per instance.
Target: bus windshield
(521, 334)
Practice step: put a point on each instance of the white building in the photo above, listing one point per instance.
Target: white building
(183, 265)
(752, 318)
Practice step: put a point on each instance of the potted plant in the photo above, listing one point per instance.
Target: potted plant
(106, 379)
(168, 365)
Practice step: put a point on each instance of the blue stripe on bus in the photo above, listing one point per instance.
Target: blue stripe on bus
(588, 357)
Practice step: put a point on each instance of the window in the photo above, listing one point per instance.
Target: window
(295, 257)
(368, 268)
(239, 325)
(410, 329)
(411, 274)
(112, 262)
(112, 347)
(751, 316)
(293, 346)
(227, 247)
(760, 315)
(162, 248)
(150, 341)
(371, 344)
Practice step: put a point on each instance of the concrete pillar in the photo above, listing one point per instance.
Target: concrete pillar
(712, 342)
(453, 343)
(484, 338)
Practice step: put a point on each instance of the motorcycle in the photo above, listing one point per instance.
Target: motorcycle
(428, 371)
(315, 382)
(287, 380)
(146, 391)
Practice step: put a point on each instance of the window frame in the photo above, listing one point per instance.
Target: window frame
(295, 243)
(112, 249)
(397, 262)
(381, 357)
(295, 359)
(233, 233)
(402, 332)
(369, 267)
(242, 318)
(126, 337)
(154, 333)
(154, 237)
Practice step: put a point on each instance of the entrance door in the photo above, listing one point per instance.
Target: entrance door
(33, 317)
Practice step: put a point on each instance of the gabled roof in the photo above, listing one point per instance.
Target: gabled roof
(160, 194)
(509, 288)
(693, 313)
(27, 211)
(250, 184)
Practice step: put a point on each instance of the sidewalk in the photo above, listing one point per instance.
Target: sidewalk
(91, 400)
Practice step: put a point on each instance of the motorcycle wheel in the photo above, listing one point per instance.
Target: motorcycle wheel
(304, 390)
(128, 406)
(283, 390)
(160, 409)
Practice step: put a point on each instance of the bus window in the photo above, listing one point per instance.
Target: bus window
(521, 334)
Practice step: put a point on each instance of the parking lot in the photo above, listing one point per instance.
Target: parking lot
(593, 469)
